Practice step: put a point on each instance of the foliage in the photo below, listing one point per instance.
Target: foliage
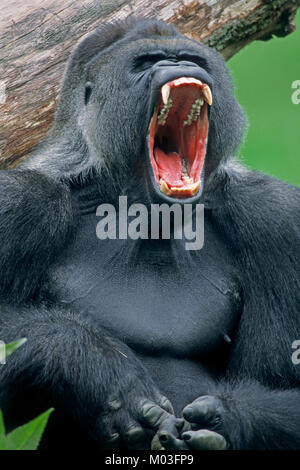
(28, 436)
(264, 73)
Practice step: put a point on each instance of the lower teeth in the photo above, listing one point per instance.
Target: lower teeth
(166, 190)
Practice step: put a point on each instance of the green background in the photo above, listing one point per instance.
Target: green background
(263, 74)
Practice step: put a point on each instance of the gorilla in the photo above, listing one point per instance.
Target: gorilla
(137, 342)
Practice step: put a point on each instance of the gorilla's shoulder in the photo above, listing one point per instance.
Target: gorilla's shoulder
(36, 223)
(254, 191)
(273, 198)
(257, 210)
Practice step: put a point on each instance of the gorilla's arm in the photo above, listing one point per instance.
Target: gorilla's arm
(249, 415)
(69, 364)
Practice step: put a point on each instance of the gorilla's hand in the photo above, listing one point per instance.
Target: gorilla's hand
(204, 417)
(166, 425)
(125, 425)
(176, 434)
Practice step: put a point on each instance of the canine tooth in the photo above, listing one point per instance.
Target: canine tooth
(164, 187)
(207, 94)
(194, 187)
(165, 93)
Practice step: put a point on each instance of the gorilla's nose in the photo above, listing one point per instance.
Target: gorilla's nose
(174, 63)
(166, 70)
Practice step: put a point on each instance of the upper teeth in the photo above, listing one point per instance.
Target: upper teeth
(194, 112)
(165, 93)
(196, 106)
(207, 94)
(186, 80)
(162, 117)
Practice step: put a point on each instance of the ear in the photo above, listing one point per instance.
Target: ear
(88, 92)
(73, 87)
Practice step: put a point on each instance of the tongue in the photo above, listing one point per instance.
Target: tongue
(169, 167)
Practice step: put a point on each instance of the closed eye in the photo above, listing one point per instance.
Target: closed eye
(190, 57)
(148, 59)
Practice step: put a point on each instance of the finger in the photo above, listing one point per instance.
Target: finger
(166, 405)
(171, 425)
(153, 414)
(204, 440)
(156, 443)
(156, 417)
(187, 426)
(136, 438)
(112, 443)
(166, 424)
(203, 410)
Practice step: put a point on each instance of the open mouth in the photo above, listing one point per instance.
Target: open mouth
(178, 136)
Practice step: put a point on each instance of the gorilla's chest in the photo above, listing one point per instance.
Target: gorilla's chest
(154, 298)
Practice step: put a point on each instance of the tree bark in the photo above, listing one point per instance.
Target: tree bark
(37, 36)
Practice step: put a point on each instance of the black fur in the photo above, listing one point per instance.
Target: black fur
(260, 218)
(97, 372)
(36, 223)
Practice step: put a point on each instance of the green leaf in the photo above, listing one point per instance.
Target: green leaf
(2, 427)
(11, 347)
(2, 433)
(28, 436)
(3, 442)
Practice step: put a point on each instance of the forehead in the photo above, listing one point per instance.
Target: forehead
(127, 49)
(173, 44)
